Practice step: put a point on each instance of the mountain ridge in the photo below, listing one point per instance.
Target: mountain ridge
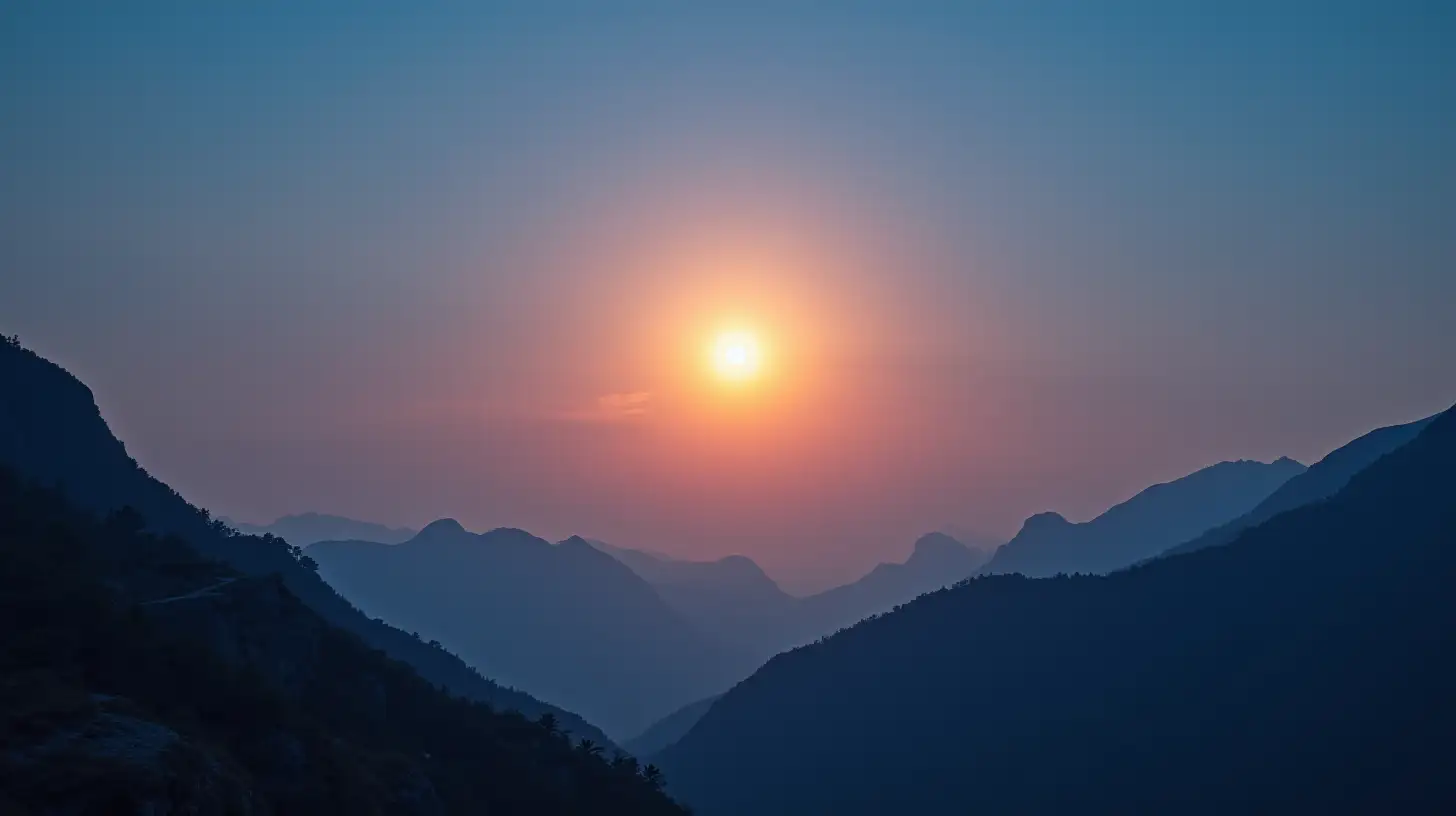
(1157, 517)
(1319, 481)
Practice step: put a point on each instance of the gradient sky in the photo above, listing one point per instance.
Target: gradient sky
(404, 261)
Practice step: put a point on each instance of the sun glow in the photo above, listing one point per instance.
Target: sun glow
(736, 355)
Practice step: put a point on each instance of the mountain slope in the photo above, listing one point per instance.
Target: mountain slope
(669, 729)
(1322, 480)
(567, 621)
(304, 529)
(51, 432)
(142, 679)
(731, 598)
(1147, 524)
(936, 561)
(1305, 667)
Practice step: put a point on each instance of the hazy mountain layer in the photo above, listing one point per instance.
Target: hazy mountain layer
(733, 598)
(306, 528)
(669, 729)
(566, 621)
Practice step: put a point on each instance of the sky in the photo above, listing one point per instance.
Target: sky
(409, 261)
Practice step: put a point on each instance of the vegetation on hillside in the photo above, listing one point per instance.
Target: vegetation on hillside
(137, 675)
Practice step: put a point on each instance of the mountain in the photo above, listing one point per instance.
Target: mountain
(1147, 524)
(567, 621)
(140, 678)
(306, 528)
(736, 601)
(1305, 667)
(52, 433)
(936, 561)
(1322, 480)
(669, 729)
(732, 597)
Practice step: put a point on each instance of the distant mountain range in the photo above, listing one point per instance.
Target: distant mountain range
(304, 529)
(1157, 518)
(1305, 666)
(567, 621)
(734, 598)
(730, 597)
(52, 433)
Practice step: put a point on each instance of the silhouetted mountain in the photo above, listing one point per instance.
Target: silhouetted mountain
(51, 432)
(669, 729)
(139, 678)
(1322, 480)
(737, 573)
(567, 621)
(937, 561)
(731, 598)
(1147, 524)
(734, 599)
(306, 528)
(1306, 667)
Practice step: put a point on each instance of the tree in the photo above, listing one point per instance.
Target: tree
(653, 775)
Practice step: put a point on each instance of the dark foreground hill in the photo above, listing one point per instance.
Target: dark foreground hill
(1306, 667)
(137, 678)
(51, 432)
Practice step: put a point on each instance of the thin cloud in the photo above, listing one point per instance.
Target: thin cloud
(613, 408)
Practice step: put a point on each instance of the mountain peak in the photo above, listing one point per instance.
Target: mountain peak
(931, 545)
(577, 541)
(743, 568)
(1048, 520)
(442, 527)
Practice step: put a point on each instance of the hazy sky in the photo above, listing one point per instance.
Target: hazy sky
(407, 261)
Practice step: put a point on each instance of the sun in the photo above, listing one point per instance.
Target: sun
(736, 355)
